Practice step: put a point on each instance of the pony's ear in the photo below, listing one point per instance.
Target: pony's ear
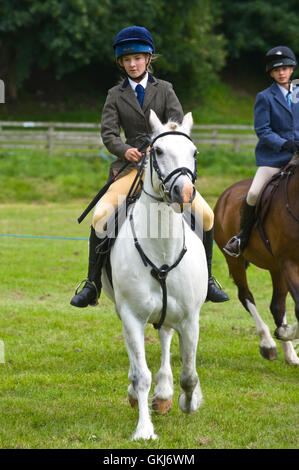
(155, 122)
(187, 123)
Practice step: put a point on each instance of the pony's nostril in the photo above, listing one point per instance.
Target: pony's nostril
(176, 190)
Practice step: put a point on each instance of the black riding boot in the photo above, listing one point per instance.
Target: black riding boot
(92, 289)
(238, 243)
(215, 292)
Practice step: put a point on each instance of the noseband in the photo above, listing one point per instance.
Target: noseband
(178, 171)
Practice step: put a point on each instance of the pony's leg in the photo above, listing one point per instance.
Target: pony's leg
(287, 332)
(289, 352)
(140, 375)
(191, 396)
(278, 309)
(133, 399)
(237, 269)
(162, 401)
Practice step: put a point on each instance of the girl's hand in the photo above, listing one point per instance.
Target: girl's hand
(133, 155)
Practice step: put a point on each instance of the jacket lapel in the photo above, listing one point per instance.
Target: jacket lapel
(128, 95)
(279, 97)
(150, 92)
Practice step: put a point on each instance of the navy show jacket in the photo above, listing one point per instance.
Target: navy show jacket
(274, 124)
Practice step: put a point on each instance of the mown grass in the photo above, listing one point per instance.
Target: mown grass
(64, 380)
(31, 175)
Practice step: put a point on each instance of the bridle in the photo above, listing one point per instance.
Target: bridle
(154, 166)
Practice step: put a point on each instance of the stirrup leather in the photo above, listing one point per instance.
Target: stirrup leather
(231, 253)
(92, 283)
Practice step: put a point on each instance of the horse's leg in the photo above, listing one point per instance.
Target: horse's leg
(278, 309)
(133, 399)
(237, 269)
(286, 332)
(162, 401)
(140, 375)
(191, 396)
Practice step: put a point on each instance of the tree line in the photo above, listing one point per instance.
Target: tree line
(195, 38)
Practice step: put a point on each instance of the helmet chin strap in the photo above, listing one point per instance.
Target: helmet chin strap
(137, 79)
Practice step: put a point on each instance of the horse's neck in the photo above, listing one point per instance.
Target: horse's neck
(158, 227)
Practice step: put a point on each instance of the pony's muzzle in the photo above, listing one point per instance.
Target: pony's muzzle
(182, 193)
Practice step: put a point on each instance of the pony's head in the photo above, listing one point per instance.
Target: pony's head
(173, 160)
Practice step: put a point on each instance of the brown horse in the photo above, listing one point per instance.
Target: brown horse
(282, 260)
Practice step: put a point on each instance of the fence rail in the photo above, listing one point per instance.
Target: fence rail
(73, 138)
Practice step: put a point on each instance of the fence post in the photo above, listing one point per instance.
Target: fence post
(236, 143)
(50, 138)
(214, 137)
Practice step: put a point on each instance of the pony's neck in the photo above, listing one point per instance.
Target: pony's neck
(158, 226)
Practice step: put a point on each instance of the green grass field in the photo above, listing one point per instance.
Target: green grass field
(64, 380)
(63, 383)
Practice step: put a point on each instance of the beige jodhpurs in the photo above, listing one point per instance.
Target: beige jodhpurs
(117, 193)
(263, 174)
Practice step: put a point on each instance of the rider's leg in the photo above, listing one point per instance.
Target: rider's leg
(203, 211)
(238, 243)
(115, 195)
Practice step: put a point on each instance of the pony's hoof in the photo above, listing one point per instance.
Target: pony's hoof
(161, 407)
(133, 402)
(268, 353)
(144, 433)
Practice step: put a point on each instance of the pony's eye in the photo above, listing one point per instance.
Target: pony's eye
(195, 153)
(158, 151)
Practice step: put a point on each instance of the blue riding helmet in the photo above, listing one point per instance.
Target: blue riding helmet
(134, 39)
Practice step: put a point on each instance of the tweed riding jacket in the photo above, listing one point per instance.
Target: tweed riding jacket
(122, 111)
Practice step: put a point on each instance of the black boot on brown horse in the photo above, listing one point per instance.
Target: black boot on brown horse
(238, 243)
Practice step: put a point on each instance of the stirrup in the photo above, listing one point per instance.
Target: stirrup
(92, 283)
(217, 283)
(231, 253)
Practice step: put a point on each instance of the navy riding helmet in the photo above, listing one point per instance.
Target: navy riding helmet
(133, 39)
(280, 56)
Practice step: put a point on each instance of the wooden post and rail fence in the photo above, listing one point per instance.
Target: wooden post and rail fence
(83, 139)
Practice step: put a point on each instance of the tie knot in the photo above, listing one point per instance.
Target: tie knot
(140, 94)
(289, 98)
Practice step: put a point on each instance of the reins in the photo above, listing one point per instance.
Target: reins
(289, 174)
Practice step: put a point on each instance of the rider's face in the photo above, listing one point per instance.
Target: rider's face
(134, 64)
(282, 75)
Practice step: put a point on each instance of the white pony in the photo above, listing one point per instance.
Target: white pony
(169, 242)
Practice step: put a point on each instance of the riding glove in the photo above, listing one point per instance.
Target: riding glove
(289, 146)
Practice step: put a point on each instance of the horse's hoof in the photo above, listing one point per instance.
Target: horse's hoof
(161, 407)
(268, 353)
(133, 402)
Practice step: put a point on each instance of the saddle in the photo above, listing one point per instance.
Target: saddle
(279, 180)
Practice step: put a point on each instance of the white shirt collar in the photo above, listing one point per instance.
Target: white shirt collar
(143, 82)
(284, 91)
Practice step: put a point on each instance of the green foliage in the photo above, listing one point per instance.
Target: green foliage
(256, 26)
(64, 36)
